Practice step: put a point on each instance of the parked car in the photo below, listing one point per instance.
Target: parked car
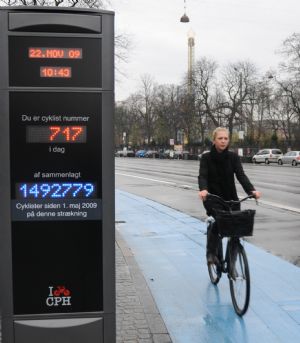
(124, 153)
(168, 153)
(119, 153)
(184, 155)
(267, 156)
(192, 156)
(180, 155)
(130, 153)
(140, 153)
(291, 157)
(152, 154)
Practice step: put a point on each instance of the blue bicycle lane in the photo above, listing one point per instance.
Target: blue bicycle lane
(169, 247)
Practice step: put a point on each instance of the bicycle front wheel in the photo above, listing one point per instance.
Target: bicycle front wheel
(239, 279)
(215, 269)
(215, 273)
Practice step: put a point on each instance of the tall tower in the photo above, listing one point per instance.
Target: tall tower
(191, 58)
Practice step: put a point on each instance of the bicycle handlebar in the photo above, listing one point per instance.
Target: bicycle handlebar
(231, 202)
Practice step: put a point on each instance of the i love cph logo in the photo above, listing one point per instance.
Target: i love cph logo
(58, 296)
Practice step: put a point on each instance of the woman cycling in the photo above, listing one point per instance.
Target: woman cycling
(216, 176)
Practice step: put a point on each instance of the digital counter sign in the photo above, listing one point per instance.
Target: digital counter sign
(56, 187)
(57, 219)
(56, 156)
(55, 62)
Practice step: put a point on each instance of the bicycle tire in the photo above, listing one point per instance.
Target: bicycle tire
(239, 279)
(214, 272)
(215, 269)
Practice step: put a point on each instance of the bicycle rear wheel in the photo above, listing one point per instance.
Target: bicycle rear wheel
(239, 279)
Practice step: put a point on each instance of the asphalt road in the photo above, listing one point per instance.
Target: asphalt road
(174, 183)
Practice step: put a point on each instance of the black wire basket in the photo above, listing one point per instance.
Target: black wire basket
(235, 223)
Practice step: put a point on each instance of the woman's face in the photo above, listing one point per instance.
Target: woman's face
(221, 141)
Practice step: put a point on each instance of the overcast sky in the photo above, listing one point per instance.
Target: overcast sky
(225, 30)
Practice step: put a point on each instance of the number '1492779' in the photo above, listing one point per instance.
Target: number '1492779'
(55, 190)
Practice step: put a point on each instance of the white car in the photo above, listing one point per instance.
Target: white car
(291, 157)
(267, 156)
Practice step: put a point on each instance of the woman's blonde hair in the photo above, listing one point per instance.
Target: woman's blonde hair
(218, 129)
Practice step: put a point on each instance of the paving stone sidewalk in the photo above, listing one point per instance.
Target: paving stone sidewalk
(138, 319)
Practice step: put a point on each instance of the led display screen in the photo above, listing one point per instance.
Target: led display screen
(38, 52)
(56, 134)
(54, 61)
(56, 191)
(56, 72)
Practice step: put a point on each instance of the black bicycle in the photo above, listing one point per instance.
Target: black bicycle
(234, 225)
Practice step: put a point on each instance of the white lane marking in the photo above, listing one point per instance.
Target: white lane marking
(284, 207)
(148, 179)
(264, 202)
(185, 186)
(155, 180)
(273, 204)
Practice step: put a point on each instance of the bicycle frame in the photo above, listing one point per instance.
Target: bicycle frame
(224, 261)
(230, 243)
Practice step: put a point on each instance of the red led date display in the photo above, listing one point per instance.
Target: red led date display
(67, 53)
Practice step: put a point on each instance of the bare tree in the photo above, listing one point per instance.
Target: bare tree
(283, 116)
(204, 86)
(238, 79)
(187, 113)
(289, 79)
(127, 123)
(260, 108)
(289, 92)
(290, 50)
(167, 108)
(64, 3)
(143, 106)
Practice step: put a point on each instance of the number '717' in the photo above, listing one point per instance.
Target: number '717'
(70, 133)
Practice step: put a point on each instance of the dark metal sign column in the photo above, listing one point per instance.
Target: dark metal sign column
(57, 129)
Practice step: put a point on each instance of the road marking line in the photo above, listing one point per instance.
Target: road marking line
(185, 186)
(284, 207)
(264, 202)
(273, 204)
(148, 179)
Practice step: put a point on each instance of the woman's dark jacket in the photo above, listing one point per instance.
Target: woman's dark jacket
(216, 174)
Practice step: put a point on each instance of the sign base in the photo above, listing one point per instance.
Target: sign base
(76, 330)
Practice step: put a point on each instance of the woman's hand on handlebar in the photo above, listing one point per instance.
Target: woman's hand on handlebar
(203, 194)
(256, 194)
